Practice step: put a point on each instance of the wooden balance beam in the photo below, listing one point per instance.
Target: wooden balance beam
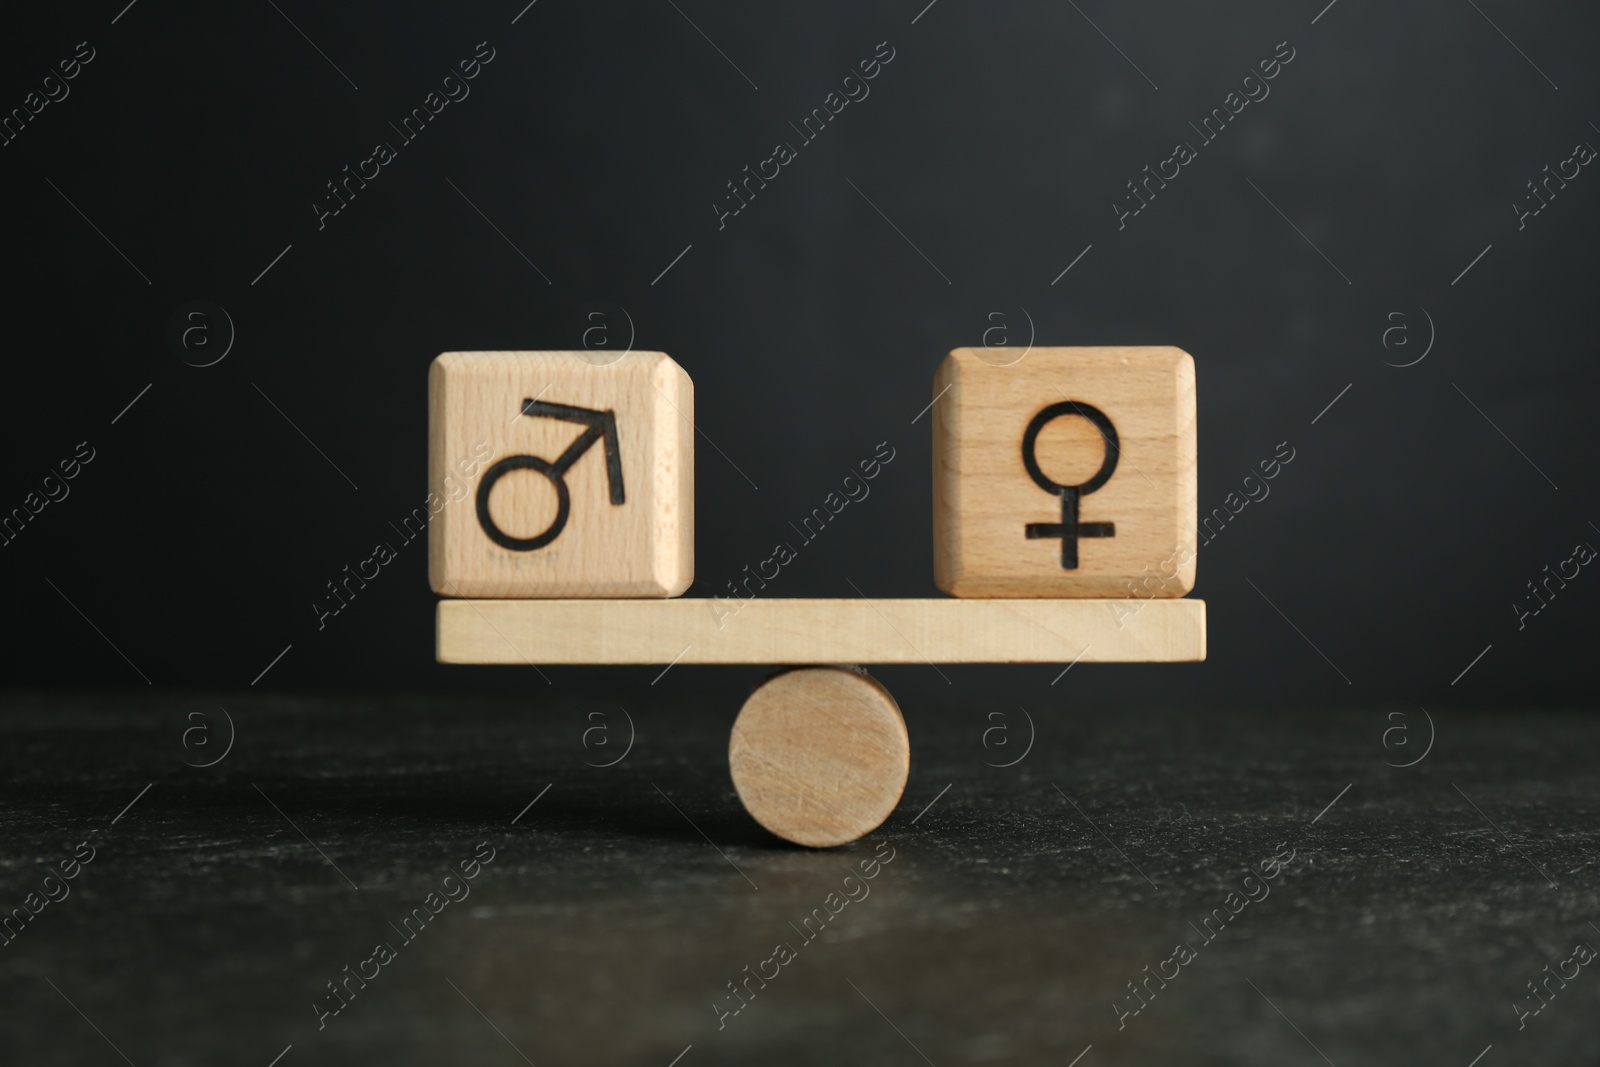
(820, 755)
(821, 631)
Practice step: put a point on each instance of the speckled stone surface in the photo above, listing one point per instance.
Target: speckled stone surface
(1007, 915)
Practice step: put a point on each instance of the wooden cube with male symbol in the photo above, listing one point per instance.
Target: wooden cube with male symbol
(1065, 472)
(560, 475)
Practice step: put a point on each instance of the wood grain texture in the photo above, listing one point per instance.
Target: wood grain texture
(985, 497)
(820, 756)
(777, 631)
(642, 547)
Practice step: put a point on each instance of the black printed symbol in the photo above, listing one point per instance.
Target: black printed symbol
(1069, 529)
(601, 424)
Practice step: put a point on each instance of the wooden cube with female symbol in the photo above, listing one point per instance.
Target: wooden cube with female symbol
(560, 475)
(1067, 473)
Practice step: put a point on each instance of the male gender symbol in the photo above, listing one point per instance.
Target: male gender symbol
(1069, 529)
(601, 424)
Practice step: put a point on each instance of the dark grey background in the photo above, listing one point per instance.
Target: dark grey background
(997, 141)
(162, 611)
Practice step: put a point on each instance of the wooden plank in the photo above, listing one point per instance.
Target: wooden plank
(860, 630)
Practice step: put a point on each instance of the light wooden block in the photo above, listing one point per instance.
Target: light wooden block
(1096, 441)
(560, 474)
(857, 630)
(820, 756)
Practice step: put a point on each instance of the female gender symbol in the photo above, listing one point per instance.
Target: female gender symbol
(1069, 529)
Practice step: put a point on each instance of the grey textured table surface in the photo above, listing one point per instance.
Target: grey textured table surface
(1018, 905)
